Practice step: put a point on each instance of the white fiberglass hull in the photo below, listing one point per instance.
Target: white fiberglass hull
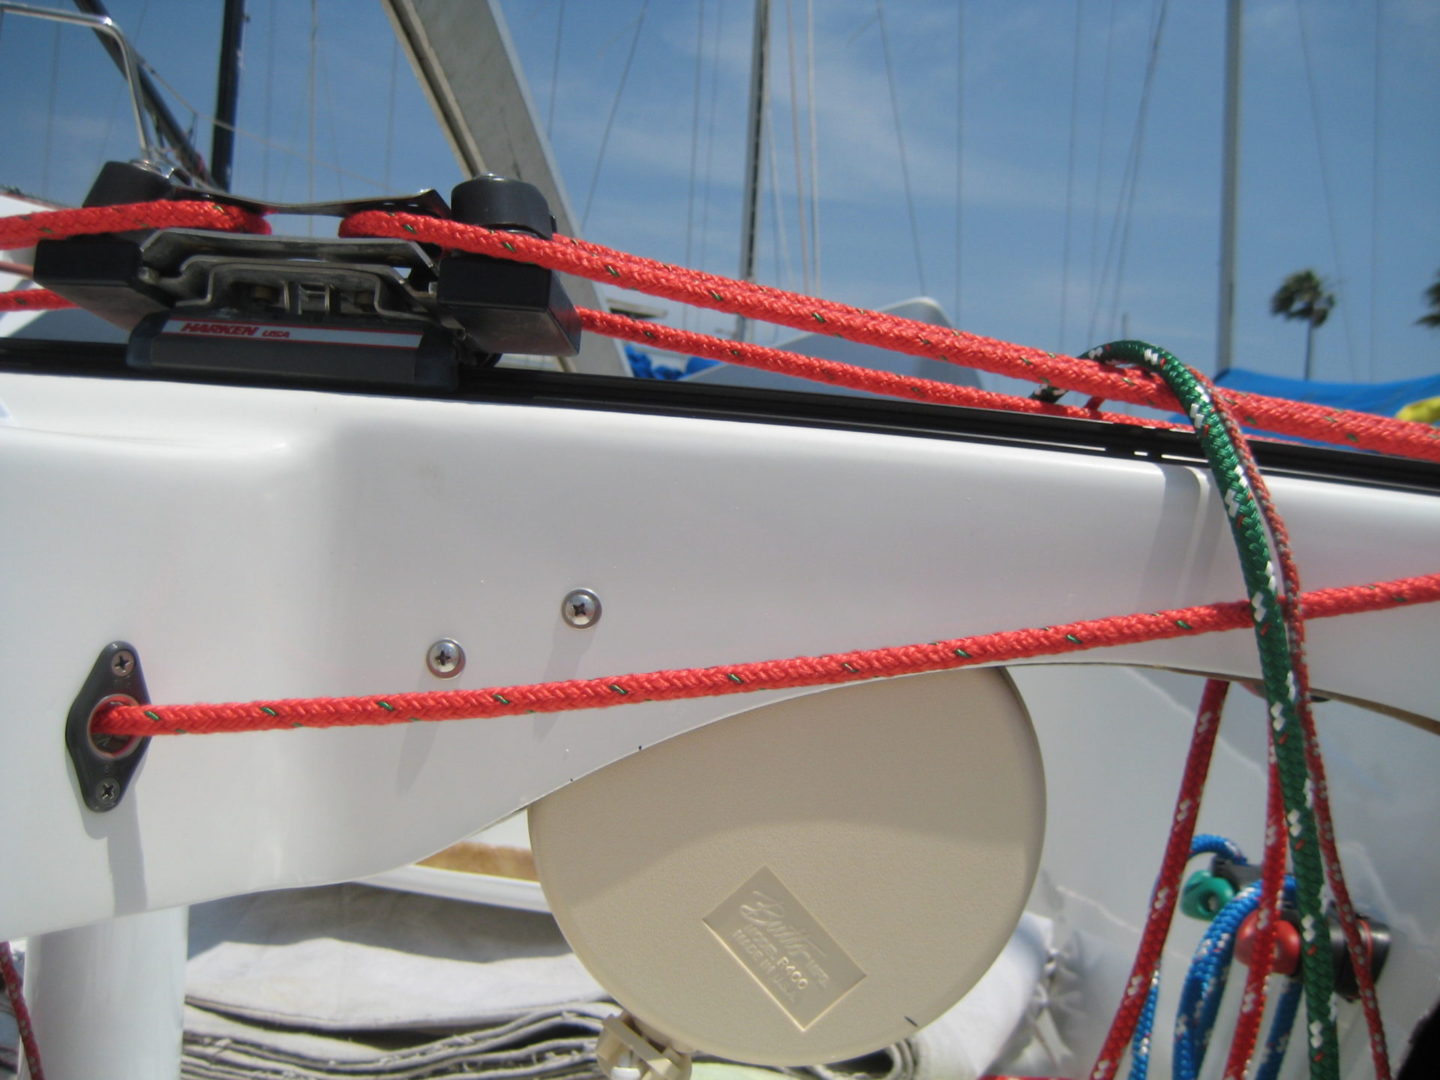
(263, 544)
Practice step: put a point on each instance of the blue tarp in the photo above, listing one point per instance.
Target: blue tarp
(644, 367)
(1383, 399)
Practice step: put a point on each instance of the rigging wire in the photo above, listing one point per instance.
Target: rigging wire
(390, 108)
(1325, 179)
(712, 111)
(784, 270)
(269, 99)
(1137, 160)
(1125, 200)
(310, 104)
(685, 315)
(327, 89)
(958, 314)
(801, 223)
(900, 142)
(1070, 179)
(268, 143)
(50, 109)
(614, 108)
(1375, 174)
(1100, 158)
(814, 142)
(296, 134)
(555, 72)
(757, 113)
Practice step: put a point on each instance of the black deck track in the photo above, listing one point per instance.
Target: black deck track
(852, 413)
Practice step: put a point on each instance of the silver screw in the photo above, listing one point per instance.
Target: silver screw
(445, 658)
(107, 793)
(581, 609)
(122, 663)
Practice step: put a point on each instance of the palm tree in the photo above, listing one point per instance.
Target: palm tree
(1304, 295)
(1432, 297)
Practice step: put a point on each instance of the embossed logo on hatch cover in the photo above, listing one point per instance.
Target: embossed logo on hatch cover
(789, 954)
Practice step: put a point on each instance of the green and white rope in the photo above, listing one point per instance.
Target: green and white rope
(1279, 658)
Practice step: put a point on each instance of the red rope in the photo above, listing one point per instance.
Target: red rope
(1267, 916)
(813, 368)
(25, 230)
(1167, 883)
(32, 300)
(11, 978)
(740, 678)
(1381, 434)
(836, 373)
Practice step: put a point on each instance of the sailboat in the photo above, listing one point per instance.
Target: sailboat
(805, 873)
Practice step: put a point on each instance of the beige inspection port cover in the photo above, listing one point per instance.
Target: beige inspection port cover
(809, 880)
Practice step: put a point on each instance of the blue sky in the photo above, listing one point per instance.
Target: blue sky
(1016, 156)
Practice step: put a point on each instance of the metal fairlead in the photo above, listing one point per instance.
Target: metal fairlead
(105, 764)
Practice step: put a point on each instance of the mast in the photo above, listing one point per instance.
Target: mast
(1230, 168)
(754, 145)
(227, 94)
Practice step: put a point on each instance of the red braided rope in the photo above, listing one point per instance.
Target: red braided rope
(813, 368)
(832, 372)
(25, 230)
(1381, 434)
(836, 373)
(11, 978)
(1167, 882)
(740, 678)
(32, 300)
(1267, 916)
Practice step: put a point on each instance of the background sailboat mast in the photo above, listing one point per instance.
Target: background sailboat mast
(754, 140)
(1230, 167)
(227, 94)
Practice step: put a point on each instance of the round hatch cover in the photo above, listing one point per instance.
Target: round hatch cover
(809, 880)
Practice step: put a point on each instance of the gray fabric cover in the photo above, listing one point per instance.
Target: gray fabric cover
(353, 981)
